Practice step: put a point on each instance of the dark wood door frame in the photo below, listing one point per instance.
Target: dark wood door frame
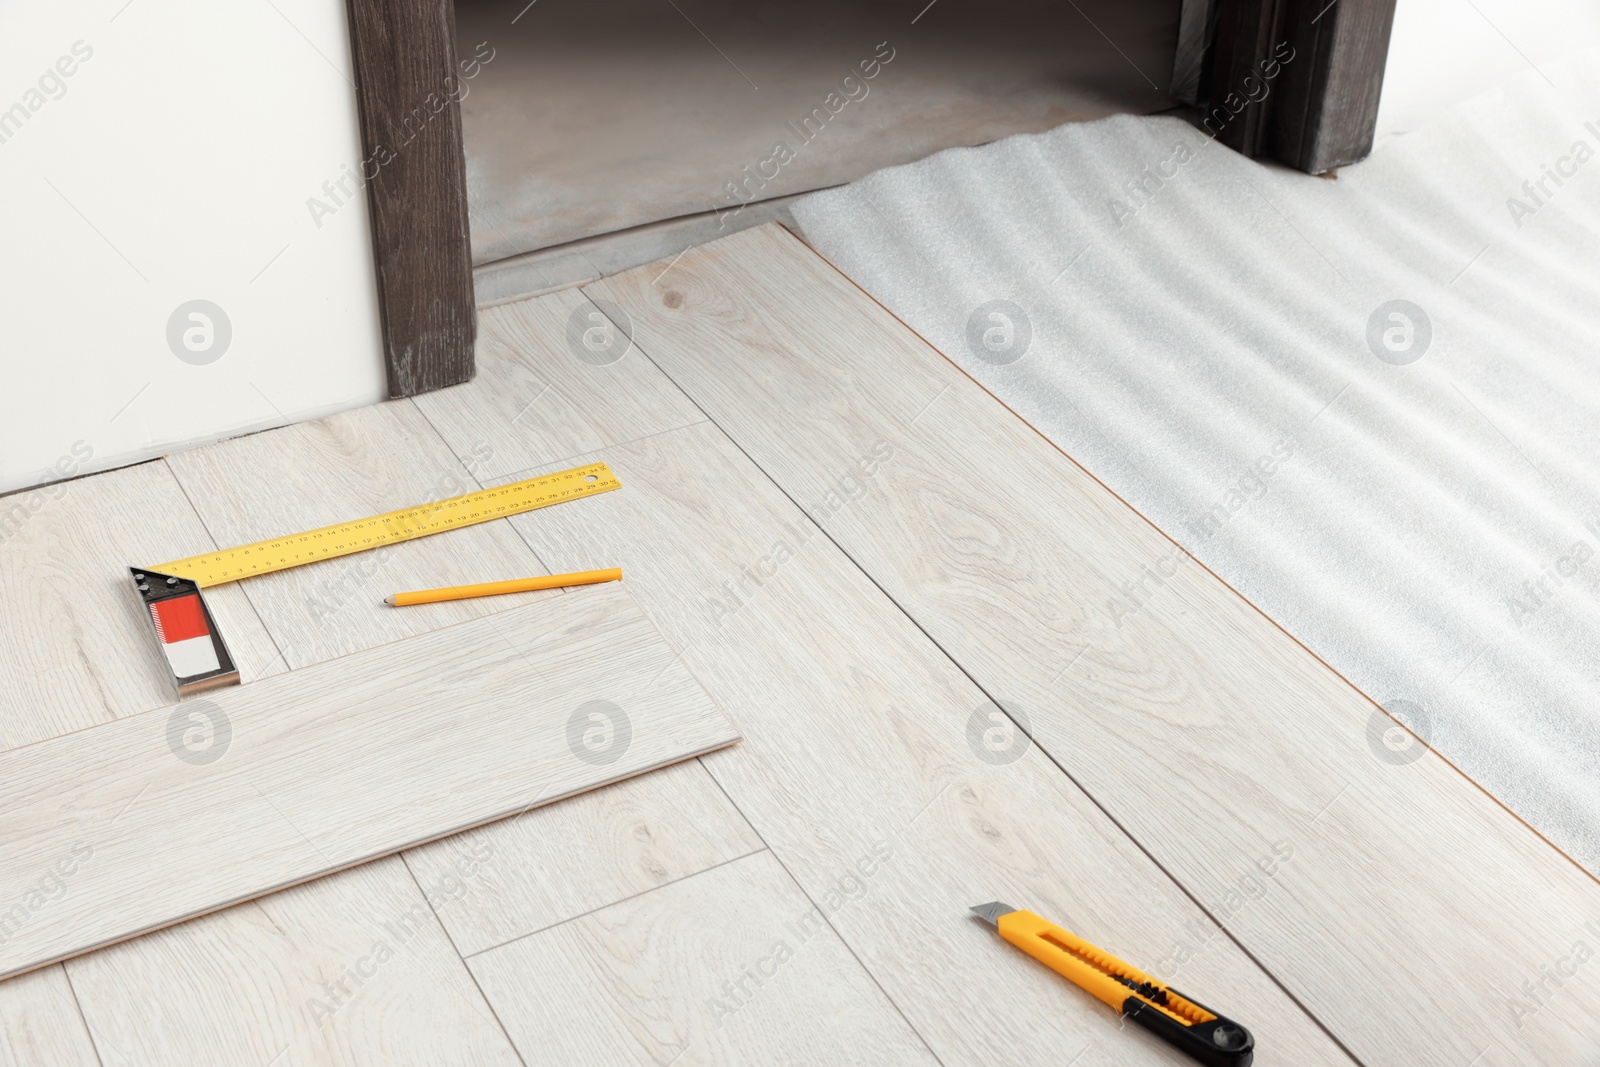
(408, 89)
(1293, 80)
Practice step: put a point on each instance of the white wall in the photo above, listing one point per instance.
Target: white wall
(175, 161)
(174, 164)
(1443, 52)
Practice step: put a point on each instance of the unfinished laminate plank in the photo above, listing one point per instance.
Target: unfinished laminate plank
(39, 1022)
(583, 853)
(858, 739)
(713, 969)
(349, 466)
(78, 648)
(334, 765)
(558, 377)
(348, 969)
(1415, 906)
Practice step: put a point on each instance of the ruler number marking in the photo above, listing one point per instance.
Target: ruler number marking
(374, 531)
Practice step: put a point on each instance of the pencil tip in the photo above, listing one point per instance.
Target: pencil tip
(389, 600)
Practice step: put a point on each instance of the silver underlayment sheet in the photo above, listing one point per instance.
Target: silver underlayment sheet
(1371, 404)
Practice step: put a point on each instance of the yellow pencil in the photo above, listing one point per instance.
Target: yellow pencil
(515, 585)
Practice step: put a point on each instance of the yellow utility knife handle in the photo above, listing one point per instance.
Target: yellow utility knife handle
(1064, 953)
(1183, 1023)
(1095, 969)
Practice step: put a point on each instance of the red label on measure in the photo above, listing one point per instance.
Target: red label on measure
(179, 619)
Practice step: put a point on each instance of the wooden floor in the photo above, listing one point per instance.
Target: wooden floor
(319, 769)
(879, 574)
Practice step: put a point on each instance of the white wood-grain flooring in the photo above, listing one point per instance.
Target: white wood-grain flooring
(813, 519)
(127, 827)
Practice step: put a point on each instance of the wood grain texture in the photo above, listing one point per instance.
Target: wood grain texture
(1189, 56)
(39, 1022)
(1318, 109)
(349, 466)
(657, 979)
(350, 969)
(1242, 37)
(1414, 906)
(543, 385)
(1328, 120)
(580, 854)
(79, 649)
(407, 91)
(857, 736)
(330, 766)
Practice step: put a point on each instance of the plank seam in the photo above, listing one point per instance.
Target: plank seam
(1192, 558)
(980, 687)
(254, 608)
(88, 1030)
(890, 1000)
(619, 900)
(495, 1015)
(476, 481)
(596, 451)
(377, 849)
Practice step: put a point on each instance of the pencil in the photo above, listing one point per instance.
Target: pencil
(515, 585)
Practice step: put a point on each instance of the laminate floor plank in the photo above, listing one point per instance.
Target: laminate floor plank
(714, 969)
(581, 854)
(381, 458)
(39, 1023)
(562, 380)
(349, 466)
(1414, 909)
(856, 742)
(336, 764)
(349, 969)
(79, 649)
(376, 459)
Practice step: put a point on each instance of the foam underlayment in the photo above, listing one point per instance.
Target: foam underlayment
(1412, 490)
